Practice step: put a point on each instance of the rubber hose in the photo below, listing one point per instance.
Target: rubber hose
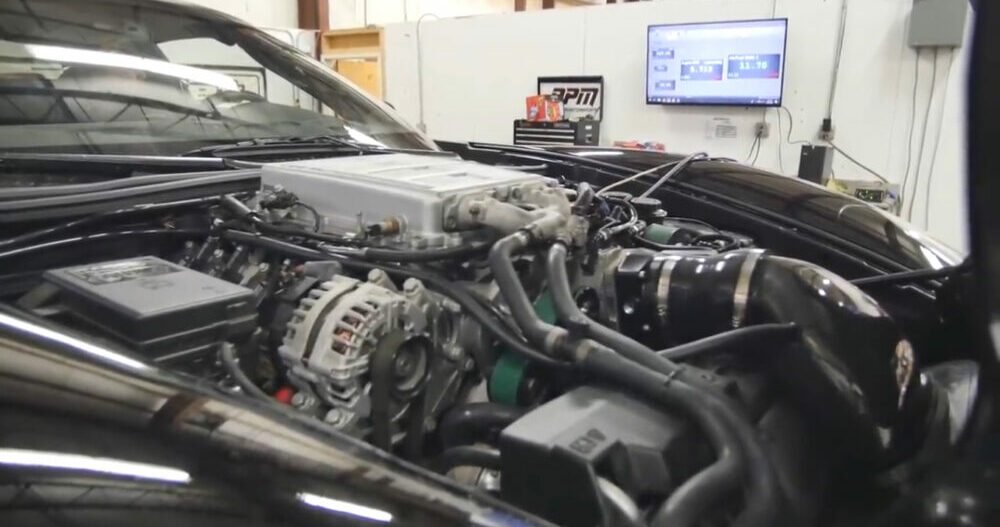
(710, 409)
(912, 276)
(734, 340)
(693, 498)
(650, 244)
(501, 263)
(424, 255)
(273, 244)
(227, 355)
(474, 422)
(688, 504)
(468, 456)
(271, 228)
(569, 312)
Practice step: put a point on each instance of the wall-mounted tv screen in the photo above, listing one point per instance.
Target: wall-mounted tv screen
(737, 63)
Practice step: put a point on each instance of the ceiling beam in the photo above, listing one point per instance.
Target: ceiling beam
(520, 5)
(548, 4)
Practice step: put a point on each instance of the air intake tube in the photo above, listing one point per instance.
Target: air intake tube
(852, 367)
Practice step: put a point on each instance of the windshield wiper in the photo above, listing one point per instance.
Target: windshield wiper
(112, 163)
(115, 97)
(294, 145)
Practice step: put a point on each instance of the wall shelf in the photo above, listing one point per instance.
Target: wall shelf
(358, 55)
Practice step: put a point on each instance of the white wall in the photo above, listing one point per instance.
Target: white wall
(353, 13)
(478, 70)
(261, 13)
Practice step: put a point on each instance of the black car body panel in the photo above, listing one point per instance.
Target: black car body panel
(92, 435)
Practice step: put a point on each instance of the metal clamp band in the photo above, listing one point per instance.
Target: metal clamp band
(663, 288)
(742, 292)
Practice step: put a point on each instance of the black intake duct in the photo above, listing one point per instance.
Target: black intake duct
(851, 364)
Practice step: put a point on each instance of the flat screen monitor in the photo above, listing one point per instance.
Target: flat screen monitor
(738, 63)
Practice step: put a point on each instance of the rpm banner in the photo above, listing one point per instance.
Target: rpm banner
(582, 96)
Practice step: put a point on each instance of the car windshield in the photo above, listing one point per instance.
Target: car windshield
(126, 77)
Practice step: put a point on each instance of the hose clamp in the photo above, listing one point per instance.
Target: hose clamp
(741, 294)
(663, 288)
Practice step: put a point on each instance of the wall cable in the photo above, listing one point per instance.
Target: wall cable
(909, 135)
(937, 140)
(787, 137)
(923, 140)
(836, 60)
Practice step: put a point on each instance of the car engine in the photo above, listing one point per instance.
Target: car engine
(579, 352)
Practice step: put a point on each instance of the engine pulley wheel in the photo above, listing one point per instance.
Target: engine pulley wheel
(409, 367)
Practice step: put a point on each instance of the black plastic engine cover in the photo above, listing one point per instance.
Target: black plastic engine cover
(552, 457)
(156, 307)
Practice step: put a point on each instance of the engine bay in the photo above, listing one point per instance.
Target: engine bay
(578, 351)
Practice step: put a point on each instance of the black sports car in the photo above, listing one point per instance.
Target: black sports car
(253, 295)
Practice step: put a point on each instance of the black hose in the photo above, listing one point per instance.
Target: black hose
(696, 497)
(734, 341)
(502, 265)
(731, 433)
(424, 255)
(912, 276)
(689, 502)
(227, 356)
(468, 456)
(650, 244)
(94, 218)
(493, 326)
(270, 228)
(475, 422)
(570, 313)
(273, 244)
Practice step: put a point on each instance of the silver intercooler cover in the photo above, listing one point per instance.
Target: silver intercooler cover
(418, 193)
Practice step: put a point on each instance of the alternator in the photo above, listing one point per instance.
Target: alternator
(350, 346)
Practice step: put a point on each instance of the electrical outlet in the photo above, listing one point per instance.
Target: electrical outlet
(762, 130)
(826, 130)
